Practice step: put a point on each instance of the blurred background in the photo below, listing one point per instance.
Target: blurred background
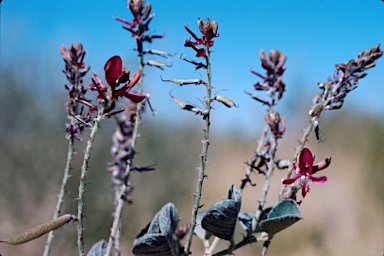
(344, 216)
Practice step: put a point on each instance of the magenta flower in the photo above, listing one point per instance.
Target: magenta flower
(304, 170)
(113, 68)
(115, 75)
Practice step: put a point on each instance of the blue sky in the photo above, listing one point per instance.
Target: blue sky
(315, 35)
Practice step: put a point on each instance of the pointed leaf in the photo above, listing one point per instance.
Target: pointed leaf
(283, 215)
(157, 237)
(98, 249)
(152, 244)
(221, 218)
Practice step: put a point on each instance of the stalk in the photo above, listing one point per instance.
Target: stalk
(84, 171)
(204, 156)
(61, 196)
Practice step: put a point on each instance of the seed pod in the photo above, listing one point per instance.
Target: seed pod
(157, 52)
(316, 110)
(158, 64)
(226, 101)
(182, 81)
(184, 105)
(40, 230)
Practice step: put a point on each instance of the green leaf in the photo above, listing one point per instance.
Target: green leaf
(221, 218)
(282, 216)
(157, 237)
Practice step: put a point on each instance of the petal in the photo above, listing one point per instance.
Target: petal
(305, 161)
(318, 180)
(135, 97)
(304, 186)
(290, 181)
(113, 68)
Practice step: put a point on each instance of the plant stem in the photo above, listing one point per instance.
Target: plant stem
(84, 170)
(255, 158)
(61, 195)
(203, 157)
(115, 230)
(267, 183)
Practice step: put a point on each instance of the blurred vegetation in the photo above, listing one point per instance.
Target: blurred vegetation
(33, 154)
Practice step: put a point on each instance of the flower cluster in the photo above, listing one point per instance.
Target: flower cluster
(276, 123)
(208, 30)
(139, 25)
(304, 169)
(273, 80)
(115, 75)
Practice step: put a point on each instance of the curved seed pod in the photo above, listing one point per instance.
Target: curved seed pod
(182, 81)
(158, 64)
(316, 110)
(38, 231)
(226, 101)
(157, 52)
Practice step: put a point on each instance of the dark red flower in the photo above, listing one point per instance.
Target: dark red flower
(304, 170)
(113, 68)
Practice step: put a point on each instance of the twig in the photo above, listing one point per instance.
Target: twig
(61, 195)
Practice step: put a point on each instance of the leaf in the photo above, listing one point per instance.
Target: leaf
(98, 249)
(283, 215)
(157, 237)
(221, 218)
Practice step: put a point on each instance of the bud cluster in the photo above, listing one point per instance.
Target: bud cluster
(208, 30)
(345, 79)
(275, 123)
(75, 70)
(274, 66)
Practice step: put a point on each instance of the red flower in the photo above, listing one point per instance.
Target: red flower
(115, 75)
(305, 169)
(113, 68)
